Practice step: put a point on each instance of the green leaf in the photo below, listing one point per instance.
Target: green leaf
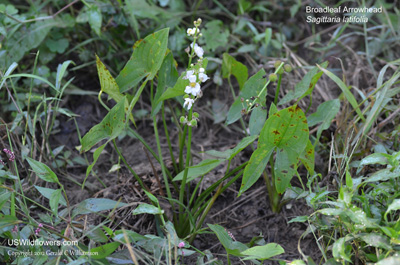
(285, 168)
(96, 156)
(305, 86)
(299, 219)
(325, 113)
(95, 18)
(25, 38)
(48, 193)
(61, 69)
(107, 82)
(330, 211)
(200, 169)
(167, 77)
(8, 220)
(263, 252)
(286, 131)
(268, 35)
(179, 88)
(346, 91)
(395, 205)
(376, 158)
(339, 250)
(384, 174)
(95, 205)
(147, 208)
(376, 240)
(147, 57)
(231, 153)
(394, 260)
(97, 235)
(214, 35)
(104, 250)
(110, 127)
(257, 120)
(251, 88)
(7, 175)
(58, 46)
(358, 216)
(307, 157)
(4, 197)
(42, 171)
(232, 67)
(257, 163)
(54, 200)
(389, 231)
(152, 197)
(232, 247)
(132, 236)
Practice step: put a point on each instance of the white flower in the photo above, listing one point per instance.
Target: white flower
(192, 31)
(201, 70)
(193, 87)
(203, 77)
(188, 102)
(198, 50)
(188, 74)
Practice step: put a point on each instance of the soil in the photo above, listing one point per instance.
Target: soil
(246, 217)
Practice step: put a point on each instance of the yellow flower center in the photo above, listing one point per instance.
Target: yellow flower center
(193, 84)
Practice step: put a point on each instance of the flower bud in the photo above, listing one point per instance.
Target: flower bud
(288, 68)
(199, 20)
(277, 63)
(182, 119)
(195, 114)
(281, 71)
(193, 123)
(273, 77)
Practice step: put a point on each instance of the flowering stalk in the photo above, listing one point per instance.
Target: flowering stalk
(195, 76)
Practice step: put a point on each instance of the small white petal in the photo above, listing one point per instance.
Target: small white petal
(196, 90)
(188, 74)
(199, 51)
(188, 90)
(201, 70)
(188, 102)
(192, 79)
(203, 77)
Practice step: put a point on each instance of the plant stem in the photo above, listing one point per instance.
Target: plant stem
(265, 87)
(182, 137)
(166, 182)
(171, 153)
(278, 87)
(183, 183)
